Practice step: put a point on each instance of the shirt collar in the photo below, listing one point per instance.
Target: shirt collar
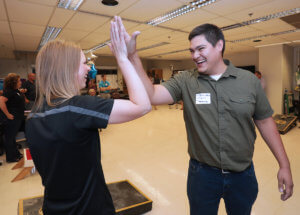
(230, 71)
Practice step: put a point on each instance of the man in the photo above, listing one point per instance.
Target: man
(30, 94)
(92, 92)
(262, 80)
(104, 86)
(221, 102)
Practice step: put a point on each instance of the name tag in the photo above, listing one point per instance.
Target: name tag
(203, 98)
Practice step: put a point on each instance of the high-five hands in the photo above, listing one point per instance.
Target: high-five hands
(129, 40)
(117, 45)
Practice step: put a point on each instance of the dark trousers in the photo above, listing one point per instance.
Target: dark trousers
(207, 185)
(10, 132)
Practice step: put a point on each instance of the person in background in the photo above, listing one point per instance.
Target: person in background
(261, 79)
(222, 105)
(104, 88)
(12, 104)
(62, 129)
(92, 84)
(30, 94)
(92, 92)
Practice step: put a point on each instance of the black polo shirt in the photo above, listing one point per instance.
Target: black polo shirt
(65, 147)
(15, 103)
(30, 94)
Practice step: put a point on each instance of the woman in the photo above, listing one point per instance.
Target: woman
(12, 104)
(62, 130)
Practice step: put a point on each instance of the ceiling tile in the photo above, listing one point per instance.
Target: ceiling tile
(86, 45)
(238, 31)
(19, 11)
(291, 36)
(72, 35)
(264, 41)
(229, 7)
(4, 27)
(145, 10)
(43, 2)
(191, 19)
(60, 17)
(3, 15)
(273, 26)
(103, 29)
(27, 43)
(96, 38)
(6, 41)
(103, 51)
(86, 22)
(244, 35)
(96, 6)
(263, 9)
(153, 32)
(27, 29)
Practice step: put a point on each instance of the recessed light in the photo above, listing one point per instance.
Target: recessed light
(110, 2)
(256, 41)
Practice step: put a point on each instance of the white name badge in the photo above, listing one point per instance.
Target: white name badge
(203, 98)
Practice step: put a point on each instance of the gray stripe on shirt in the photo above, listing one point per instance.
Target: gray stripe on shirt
(71, 109)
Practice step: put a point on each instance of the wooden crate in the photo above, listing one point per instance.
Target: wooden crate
(128, 200)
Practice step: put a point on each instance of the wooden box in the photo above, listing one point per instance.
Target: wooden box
(128, 200)
(285, 122)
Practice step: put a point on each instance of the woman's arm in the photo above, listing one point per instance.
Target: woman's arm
(138, 104)
(3, 107)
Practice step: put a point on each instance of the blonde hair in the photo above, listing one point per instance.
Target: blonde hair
(57, 66)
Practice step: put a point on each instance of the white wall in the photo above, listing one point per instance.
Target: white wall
(21, 67)
(244, 59)
(276, 64)
(287, 67)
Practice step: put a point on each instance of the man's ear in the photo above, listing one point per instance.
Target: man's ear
(220, 45)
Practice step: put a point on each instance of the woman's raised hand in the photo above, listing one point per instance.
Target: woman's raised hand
(117, 45)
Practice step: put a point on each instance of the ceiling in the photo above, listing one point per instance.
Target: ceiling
(23, 22)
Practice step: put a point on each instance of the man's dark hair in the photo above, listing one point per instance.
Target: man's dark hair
(211, 32)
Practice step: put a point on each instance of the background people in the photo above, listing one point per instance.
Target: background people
(12, 104)
(219, 99)
(104, 87)
(261, 79)
(62, 129)
(92, 92)
(30, 93)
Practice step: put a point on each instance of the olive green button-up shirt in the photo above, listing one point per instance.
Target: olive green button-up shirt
(219, 115)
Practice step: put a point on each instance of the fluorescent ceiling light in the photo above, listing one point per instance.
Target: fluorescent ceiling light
(193, 5)
(69, 4)
(50, 34)
(273, 44)
(262, 19)
(99, 46)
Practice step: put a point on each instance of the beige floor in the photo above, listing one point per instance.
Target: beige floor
(151, 152)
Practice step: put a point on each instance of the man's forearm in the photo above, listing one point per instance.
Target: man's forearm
(269, 133)
(137, 63)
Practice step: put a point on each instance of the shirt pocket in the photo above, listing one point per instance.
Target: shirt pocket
(242, 106)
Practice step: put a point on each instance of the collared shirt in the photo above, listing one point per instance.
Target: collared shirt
(219, 115)
(104, 84)
(30, 94)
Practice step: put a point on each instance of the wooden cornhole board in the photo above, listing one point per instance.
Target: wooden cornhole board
(127, 199)
(26, 163)
(285, 123)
